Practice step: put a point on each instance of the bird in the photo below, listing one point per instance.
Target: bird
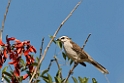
(78, 55)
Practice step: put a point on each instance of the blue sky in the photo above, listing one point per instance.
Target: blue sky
(104, 19)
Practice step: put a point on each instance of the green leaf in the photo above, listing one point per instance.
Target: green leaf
(49, 78)
(20, 78)
(29, 74)
(74, 79)
(6, 78)
(7, 74)
(24, 68)
(5, 68)
(83, 80)
(37, 59)
(59, 44)
(45, 71)
(51, 38)
(63, 81)
(57, 79)
(37, 81)
(94, 80)
(45, 78)
(58, 73)
(71, 61)
(64, 55)
(22, 62)
(34, 64)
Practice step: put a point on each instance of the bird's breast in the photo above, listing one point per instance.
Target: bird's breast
(70, 52)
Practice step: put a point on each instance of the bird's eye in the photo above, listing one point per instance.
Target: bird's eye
(63, 38)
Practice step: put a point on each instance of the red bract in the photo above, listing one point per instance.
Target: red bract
(14, 80)
(26, 52)
(17, 41)
(5, 53)
(26, 42)
(12, 55)
(25, 76)
(1, 43)
(10, 39)
(31, 68)
(1, 61)
(18, 45)
(17, 72)
(15, 61)
(19, 50)
(29, 59)
(32, 49)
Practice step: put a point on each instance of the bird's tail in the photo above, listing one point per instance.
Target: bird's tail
(99, 67)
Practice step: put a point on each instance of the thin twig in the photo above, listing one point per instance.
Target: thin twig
(41, 47)
(3, 22)
(106, 78)
(58, 66)
(50, 63)
(50, 42)
(75, 64)
(86, 41)
(70, 72)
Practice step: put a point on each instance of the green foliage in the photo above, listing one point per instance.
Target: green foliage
(94, 80)
(7, 79)
(74, 79)
(83, 80)
(64, 55)
(7, 74)
(4, 69)
(44, 72)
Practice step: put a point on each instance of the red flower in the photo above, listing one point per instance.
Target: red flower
(29, 59)
(1, 61)
(5, 53)
(18, 45)
(25, 76)
(15, 51)
(26, 52)
(17, 41)
(14, 80)
(15, 62)
(31, 68)
(10, 39)
(17, 72)
(32, 49)
(1, 43)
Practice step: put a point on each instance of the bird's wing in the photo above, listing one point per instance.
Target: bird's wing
(81, 52)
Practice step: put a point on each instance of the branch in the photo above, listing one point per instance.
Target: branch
(70, 72)
(50, 42)
(41, 47)
(4, 19)
(75, 64)
(58, 66)
(86, 41)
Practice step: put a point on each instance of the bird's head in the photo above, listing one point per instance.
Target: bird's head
(64, 39)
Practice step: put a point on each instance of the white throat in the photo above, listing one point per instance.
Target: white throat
(69, 51)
